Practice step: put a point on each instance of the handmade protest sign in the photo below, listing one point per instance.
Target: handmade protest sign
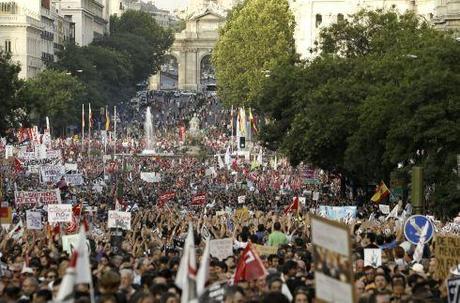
(264, 250)
(59, 213)
(332, 254)
(119, 219)
(221, 248)
(34, 220)
(447, 252)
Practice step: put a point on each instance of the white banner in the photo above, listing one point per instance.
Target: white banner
(34, 220)
(119, 219)
(35, 197)
(58, 213)
(221, 248)
(150, 177)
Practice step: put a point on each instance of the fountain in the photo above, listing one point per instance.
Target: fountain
(148, 130)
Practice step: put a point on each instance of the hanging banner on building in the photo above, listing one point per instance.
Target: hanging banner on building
(34, 220)
(35, 197)
(332, 257)
(59, 213)
(119, 219)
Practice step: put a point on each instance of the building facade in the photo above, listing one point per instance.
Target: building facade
(89, 16)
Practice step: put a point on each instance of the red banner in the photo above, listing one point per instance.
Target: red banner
(199, 199)
(164, 198)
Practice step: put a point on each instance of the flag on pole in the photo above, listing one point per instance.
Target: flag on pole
(242, 121)
(253, 122)
(418, 253)
(203, 272)
(294, 206)
(90, 117)
(82, 122)
(381, 193)
(250, 267)
(107, 119)
(186, 274)
(231, 120)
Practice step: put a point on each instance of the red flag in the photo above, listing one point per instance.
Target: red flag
(199, 199)
(17, 167)
(250, 267)
(294, 206)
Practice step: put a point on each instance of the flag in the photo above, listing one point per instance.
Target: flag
(250, 267)
(17, 232)
(294, 206)
(66, 289)
(199, 199)
(381, 193)
(253, 122)
(107, 119)
(231, 120)
(17, 167)
(203, 271)
(242, 121)
(76, 214)
(82, 121)
(228, 157)
(259, 157)
(90, 117)
(220, 162)
(84, 269)
(186, 274)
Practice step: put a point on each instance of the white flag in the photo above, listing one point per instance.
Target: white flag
(203, 271)
(186, 274)
(84, 269)
(418, 253)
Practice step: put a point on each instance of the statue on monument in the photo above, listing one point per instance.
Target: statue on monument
(194, 125)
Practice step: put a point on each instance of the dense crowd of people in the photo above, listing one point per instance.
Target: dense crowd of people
(140, 264)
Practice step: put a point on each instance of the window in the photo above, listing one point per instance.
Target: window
(8, 46)
(121, 5)
(319, 20)
(340, 18)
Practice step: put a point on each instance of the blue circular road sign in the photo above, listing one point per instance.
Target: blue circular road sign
(414, 227)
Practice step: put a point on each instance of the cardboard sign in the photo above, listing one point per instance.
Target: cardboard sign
(150, 177)
(205, 232)
(453, 290)
(119, 219)
(242, 214)
(264, 250)
(447, 254)
(241, 199)
(58, 213)
(35, 197)
(6, 216)
(385, 209)
(332, 253)
(372, 257)
(34, 220)
(221, 248)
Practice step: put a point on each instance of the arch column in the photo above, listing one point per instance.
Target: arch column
(188, 69)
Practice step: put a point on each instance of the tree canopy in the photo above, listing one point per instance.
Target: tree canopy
(383, 90)
(257, 35)
(9, 84)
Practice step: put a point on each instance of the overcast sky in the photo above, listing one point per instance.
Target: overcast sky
(170, 4)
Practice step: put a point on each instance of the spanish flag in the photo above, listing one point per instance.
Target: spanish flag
(253, 122)
(107, 119)
(381, 193)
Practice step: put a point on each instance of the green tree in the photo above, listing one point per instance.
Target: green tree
(257, 35)
(143, 25)
(383, 91)
(56, 95)
(9, 85)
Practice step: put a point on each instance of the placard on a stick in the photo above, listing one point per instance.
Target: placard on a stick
(333, 263)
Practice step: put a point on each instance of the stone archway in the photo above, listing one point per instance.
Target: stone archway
(194, 44)
(207, 72)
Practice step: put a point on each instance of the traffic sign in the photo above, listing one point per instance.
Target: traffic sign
(414, 226)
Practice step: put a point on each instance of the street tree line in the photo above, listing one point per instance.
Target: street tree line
(102, 73)
(380, 95)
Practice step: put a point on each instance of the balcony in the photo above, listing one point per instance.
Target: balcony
(45, 35)
(46, 57)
